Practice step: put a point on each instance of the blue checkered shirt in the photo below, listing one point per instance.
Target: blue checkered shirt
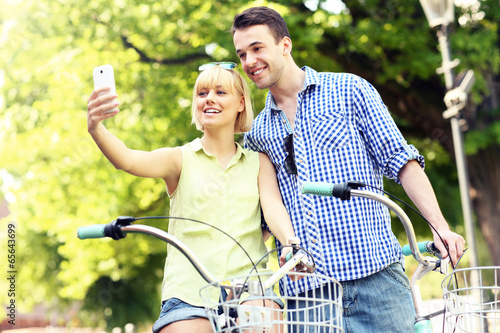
(342, 131)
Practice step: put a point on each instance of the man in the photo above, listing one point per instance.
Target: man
(334, 127)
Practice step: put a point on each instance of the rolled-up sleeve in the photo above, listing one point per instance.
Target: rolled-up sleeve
(384, 140)
(399, 159)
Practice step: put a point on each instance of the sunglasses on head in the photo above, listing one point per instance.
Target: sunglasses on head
(290, 166)
(223, 64)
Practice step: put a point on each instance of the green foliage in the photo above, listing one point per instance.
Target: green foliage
(61, 181)
(481, 138)
(437, 164)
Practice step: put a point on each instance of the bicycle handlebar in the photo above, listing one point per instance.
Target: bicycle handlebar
(120, 227)
(424, 247)
(344, 191)
(93, 231)
(341, 191)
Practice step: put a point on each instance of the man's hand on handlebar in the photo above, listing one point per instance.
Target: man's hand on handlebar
(453, 246)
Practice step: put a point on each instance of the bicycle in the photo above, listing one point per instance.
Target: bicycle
(345, 191)
(459, 311)
(229, 315)
(236, 314)
(471, 295)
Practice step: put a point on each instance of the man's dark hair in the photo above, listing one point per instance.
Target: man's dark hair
(261, 16)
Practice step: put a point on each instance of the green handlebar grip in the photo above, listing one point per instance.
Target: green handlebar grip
(423, 326)
(93, 231)
(317, 188)
(422, 247)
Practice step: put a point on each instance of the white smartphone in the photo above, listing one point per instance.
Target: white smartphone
(104, 77)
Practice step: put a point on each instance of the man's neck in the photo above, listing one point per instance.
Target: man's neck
(289, 85)
(286, 90)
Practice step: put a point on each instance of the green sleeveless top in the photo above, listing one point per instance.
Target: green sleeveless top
(227, 199)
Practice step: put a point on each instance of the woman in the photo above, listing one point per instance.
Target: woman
(212, 179)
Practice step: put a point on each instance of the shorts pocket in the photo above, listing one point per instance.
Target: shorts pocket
(168, 305)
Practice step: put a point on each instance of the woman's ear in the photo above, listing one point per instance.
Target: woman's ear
(241, 107)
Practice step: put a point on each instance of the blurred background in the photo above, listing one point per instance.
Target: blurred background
(54, 179)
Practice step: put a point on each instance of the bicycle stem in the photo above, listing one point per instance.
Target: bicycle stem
(301, 256)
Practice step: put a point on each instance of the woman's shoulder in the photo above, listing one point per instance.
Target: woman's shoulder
(192, 146)
(247, 152)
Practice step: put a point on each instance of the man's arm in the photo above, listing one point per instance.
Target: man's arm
(419, 189)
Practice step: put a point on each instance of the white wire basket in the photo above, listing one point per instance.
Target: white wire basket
(472, 300)
(320, 311)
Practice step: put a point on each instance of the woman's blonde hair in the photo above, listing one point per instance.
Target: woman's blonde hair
(231, 81)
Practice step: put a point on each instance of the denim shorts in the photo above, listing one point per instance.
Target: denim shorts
(173, 309)
(380, 302)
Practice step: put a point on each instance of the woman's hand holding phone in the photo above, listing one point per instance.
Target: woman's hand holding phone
(102, 103)
(104, 77)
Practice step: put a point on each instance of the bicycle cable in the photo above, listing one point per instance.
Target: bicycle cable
(453, 266)
(254, 265)
(447, 287)
(419, 214)
(201, 222)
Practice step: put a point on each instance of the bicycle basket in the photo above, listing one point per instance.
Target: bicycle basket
(472, 300)
(318, 310)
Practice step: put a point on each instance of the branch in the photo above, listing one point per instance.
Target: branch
(145, 58)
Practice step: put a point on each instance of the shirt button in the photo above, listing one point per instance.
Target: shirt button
(309, 212)
(314, 241)
(300, 160)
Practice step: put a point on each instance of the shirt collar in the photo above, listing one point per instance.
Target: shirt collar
(311, 79)
(197, 146)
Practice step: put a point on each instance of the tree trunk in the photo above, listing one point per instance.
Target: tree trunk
(484, 169)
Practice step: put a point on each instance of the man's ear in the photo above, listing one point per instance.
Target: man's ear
(287, 45)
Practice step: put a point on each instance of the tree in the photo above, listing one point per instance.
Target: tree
(62, 181)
